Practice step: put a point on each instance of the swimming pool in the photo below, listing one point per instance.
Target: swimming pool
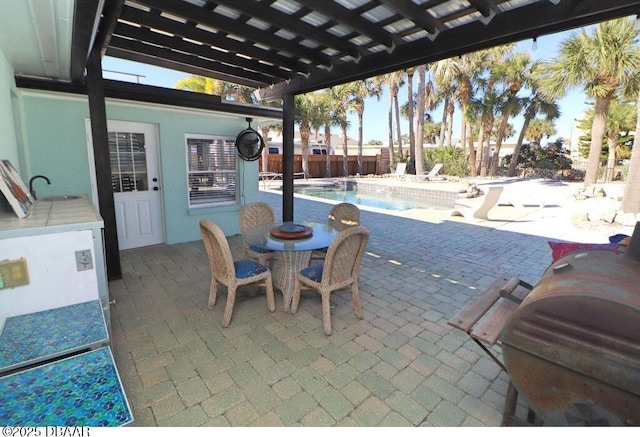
(393, 202)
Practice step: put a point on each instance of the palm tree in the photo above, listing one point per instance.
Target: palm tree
(394, 81)
(328, 107)
(464, 71)
(342, 96)
(421, 110)
(424, 100)
(240, 93)
(507, 106)
(316, 113)
(360, 90)
(444, 74)
(631, 197)
(535, 104)
(410, 106)
(486, 106)
(620, 121)
(514, 72)
(431, 130)
(538, 128)
(600, 63)
(208, 85)
(305, 112)
(265, 129)
(445, 94)
(200, 84)
(380, 82)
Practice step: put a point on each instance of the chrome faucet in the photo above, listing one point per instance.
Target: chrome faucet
(33, 193)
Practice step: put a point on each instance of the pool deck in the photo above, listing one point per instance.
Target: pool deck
(401, 365)
(555, 219)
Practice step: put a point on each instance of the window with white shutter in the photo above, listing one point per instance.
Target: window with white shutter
(212, 171)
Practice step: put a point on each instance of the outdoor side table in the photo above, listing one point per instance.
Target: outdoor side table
(82, 390)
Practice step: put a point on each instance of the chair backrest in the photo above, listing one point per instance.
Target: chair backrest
(218, 251)
(435, 170)
(344, 256)
(490, 200)
(401, 168)
(492, 196)
(343, 216)
(253, 215)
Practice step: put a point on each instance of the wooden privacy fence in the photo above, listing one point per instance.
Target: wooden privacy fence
(318, 165)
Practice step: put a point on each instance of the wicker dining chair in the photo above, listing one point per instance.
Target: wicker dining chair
(342, 216)
(339, 269)
(253, 215)
(232, 274)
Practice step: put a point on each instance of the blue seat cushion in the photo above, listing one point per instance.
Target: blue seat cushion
(324, 249)
(313, 272)
(260, 249)
(246, 268)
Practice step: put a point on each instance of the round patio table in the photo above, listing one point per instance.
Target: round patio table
(293, 253)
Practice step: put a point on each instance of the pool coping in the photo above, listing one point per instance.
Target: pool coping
(449, 192)
(442, 193)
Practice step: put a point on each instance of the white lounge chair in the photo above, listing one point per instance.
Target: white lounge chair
(401, 169)
(428, 175)
(433, 174)
(480, 208)
(523, 196)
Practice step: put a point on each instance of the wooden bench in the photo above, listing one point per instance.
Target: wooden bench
(483, 319)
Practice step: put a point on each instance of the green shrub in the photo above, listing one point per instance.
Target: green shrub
(453, 159)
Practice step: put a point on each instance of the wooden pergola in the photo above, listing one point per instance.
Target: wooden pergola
(288, 47)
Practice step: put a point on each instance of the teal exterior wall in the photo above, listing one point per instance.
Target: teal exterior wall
(57, 147)
(56, 142)
(173, 124)
(8, 101)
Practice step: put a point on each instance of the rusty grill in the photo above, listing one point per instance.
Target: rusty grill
(572, 348)
(571, 343)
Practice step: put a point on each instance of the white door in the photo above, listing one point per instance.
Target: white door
(135, 177)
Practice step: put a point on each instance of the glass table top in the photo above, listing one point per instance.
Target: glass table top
(322, 236)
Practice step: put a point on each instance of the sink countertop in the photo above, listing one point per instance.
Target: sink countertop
(51, 216)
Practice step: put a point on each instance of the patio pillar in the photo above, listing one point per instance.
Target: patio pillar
(288, 112)
(98, 115)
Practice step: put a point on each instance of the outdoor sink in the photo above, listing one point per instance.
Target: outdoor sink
(64, 197)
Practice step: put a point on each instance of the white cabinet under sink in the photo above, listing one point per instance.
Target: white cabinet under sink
(61, 242)
(54, 319)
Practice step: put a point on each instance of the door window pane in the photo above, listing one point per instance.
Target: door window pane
(128, 162)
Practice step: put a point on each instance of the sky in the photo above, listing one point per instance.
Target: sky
(375, 121)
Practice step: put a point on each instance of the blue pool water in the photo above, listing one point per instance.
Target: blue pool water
(393, 203)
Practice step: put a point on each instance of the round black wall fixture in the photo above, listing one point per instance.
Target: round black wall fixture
(249, 143)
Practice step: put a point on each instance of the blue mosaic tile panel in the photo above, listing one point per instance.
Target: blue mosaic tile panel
(51, 333)
(84, 390)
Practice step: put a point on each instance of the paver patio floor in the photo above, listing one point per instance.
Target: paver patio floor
(401, 365)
